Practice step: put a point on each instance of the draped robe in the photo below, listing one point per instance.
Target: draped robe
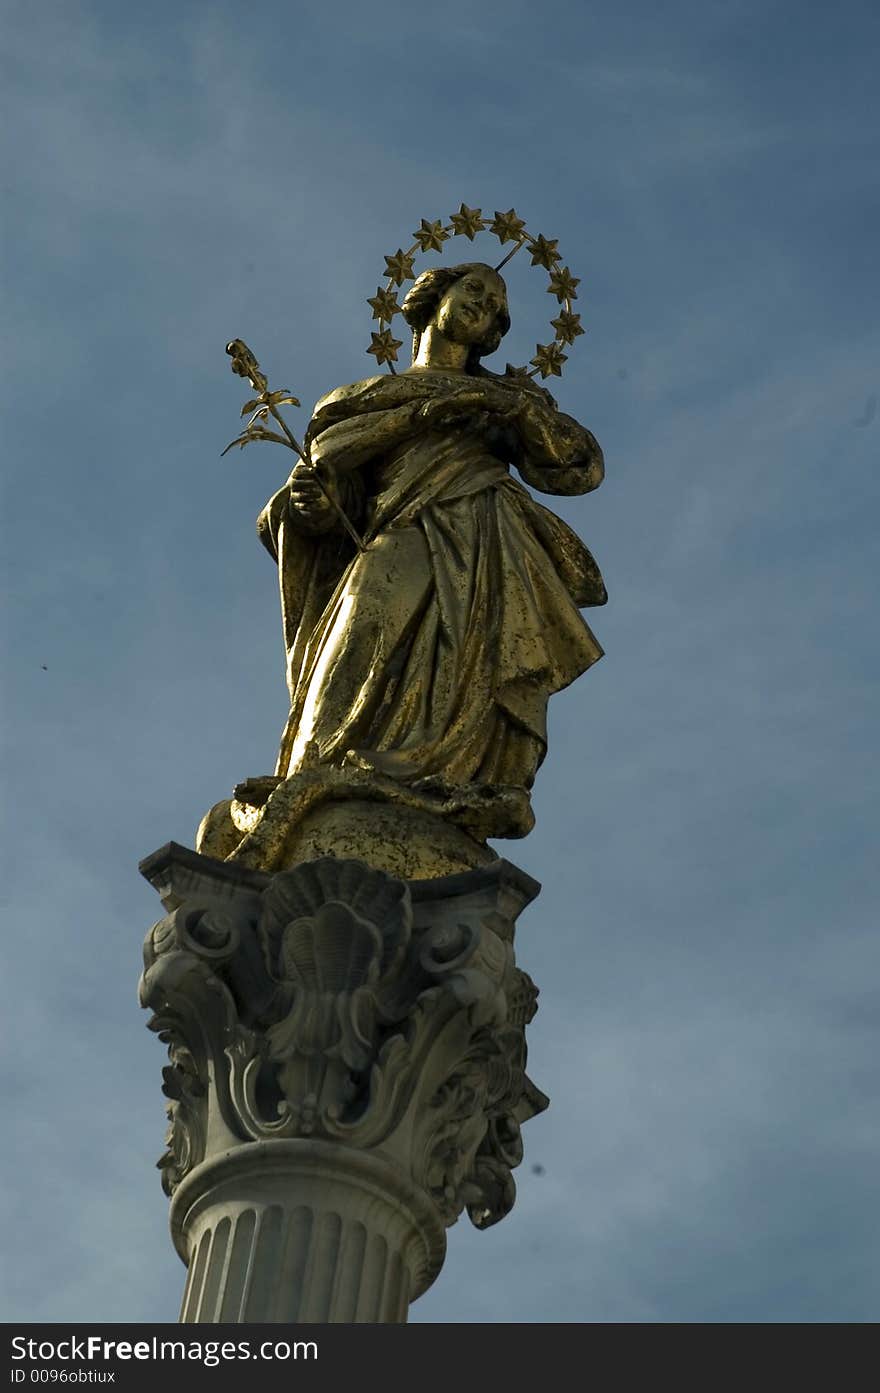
(434, 651)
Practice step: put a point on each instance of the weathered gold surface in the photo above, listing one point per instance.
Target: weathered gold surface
(417, 833)
(419, 668)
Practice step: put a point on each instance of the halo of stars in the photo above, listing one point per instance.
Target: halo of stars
(507, 227)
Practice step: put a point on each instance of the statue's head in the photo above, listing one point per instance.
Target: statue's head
(467, 303)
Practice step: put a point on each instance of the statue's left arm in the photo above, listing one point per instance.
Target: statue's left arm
(553, 452)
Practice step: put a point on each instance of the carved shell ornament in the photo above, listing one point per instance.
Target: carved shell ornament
(348, 904)
(507, 227)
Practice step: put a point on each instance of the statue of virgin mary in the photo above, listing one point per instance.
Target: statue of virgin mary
(426, 659)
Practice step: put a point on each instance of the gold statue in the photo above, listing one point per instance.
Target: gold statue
(430, 605)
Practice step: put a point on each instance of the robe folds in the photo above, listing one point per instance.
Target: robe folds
(434, 651)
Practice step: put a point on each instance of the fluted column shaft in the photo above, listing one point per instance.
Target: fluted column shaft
(302, 1231)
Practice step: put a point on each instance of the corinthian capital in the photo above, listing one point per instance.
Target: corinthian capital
(335, 1003)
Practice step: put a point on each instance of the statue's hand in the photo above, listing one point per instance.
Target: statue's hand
(468, 410)
(310, 507)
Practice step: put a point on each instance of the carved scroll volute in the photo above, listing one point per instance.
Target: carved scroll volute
(195, 1014)
(473, 968)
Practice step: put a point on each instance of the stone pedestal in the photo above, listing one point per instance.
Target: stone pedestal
(347, 1074)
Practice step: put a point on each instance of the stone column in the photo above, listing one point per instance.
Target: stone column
(347, 1074)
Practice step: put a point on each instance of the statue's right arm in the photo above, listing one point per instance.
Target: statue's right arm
(339, 449)
(270, 518)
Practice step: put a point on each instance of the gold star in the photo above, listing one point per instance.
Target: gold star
(431, 236)
(563, 284)
(549, 359)
(544, 251)
(399, 267)
(567, 326)
(507, 227)
(384, 347)
(384, 303)
(467, 221)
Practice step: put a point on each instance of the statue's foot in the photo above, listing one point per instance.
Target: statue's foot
(417, 831)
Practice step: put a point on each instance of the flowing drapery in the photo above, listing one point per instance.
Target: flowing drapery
(433, 652)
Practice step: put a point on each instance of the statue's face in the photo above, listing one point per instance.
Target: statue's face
(470, 306)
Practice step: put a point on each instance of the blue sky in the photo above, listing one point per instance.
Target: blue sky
(706, 939)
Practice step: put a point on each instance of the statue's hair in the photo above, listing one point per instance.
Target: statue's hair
(420, 305)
